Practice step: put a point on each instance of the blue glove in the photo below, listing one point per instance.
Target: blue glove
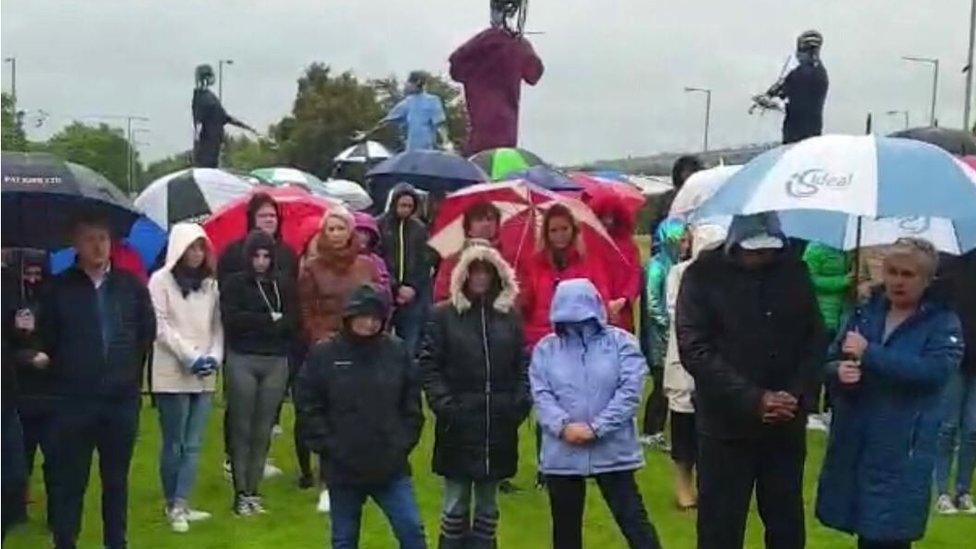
(199, 366)
(210, 366)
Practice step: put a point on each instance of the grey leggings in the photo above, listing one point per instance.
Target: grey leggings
(255, 386)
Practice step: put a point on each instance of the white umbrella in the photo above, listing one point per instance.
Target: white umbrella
(349, 192)
(189, 194)
(698, 188)
(363, 152)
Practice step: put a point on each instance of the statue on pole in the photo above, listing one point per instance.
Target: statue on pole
(209, 118)
(492, 66)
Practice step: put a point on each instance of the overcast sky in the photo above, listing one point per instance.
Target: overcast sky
(615, 69)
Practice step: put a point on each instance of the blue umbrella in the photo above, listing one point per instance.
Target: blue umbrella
(146, 238)
(546, 178)
(432, 171)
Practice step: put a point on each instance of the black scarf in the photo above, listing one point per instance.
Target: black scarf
(189, 280)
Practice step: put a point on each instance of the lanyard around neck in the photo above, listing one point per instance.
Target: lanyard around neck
(264, 296)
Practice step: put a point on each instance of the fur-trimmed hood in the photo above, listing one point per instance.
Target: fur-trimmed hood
(479, 250)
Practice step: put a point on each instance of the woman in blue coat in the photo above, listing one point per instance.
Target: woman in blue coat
(587, 379)
(888, 368)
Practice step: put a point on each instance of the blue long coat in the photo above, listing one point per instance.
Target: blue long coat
(877, 475)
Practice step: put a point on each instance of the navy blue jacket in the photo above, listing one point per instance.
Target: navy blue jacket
(71, 333)
(876, 478)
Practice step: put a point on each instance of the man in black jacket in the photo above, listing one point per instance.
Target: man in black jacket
(97, 326)
(262, 213)
(805, 90)
(404, 240)
(750, 334)
(358, 396)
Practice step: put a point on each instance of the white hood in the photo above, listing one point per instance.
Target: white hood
(181, 236)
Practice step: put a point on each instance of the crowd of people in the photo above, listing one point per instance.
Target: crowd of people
(749, 338)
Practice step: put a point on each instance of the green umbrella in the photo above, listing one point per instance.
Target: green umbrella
(498, 163)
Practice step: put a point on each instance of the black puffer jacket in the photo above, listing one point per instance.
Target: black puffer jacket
(743, 332)
(359, 402)
(404, 243)
(475, 376)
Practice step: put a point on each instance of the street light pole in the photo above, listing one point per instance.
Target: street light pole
(904, 113)
(708, 112)
(969, 67)
(935, 81)
(220, 77)
(128, 140)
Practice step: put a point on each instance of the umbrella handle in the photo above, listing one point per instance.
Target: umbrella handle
(857, 257)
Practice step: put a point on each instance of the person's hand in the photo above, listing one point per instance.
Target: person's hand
(24, 320)
(778, 406)
(41, 361)
(275, 317)
(615, 306)
(849, 372)
(199, 365)
(854, 344)
(405, 294)
(577, 433)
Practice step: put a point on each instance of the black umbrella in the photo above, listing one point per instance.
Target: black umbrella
(41, 194)
(432, 171)
(957, 142)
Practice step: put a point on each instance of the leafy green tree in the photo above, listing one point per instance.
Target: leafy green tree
(329, 108)
(168, 165)
(101, 148)
(389, 91)
(12, 136)
(246, 154)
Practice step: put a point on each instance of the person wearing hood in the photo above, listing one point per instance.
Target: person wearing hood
(753, 344)
(365, 441)
(189, 348)
(368, 237)
(673, 247)
(476, 383)
(625, 280)
(888, 370)
(262, 213)
(96, 325)
(832, 278)
(679, 386)
(587, 378)
(257, 306)
(404, 241)
(560, 256)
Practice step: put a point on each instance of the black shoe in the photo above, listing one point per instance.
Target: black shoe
(305, 482)
(506, 487)
(540, 481)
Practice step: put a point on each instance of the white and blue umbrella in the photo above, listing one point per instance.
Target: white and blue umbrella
(852, 191)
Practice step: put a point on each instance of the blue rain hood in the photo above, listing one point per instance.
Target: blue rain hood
(577, 300)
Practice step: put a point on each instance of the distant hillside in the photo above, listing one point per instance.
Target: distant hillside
(660, 164)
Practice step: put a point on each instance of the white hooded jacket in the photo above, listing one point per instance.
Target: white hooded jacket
(188, 327)
(679, 386)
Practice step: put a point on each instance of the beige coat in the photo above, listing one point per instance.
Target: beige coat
(186, 327)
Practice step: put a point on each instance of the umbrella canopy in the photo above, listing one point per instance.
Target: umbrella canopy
(349, 192)
(502, 162)
(522, 206)
(295, 204)
(288, 176)
(958, 142)
(41, 194)
(364, 152)
(698, 188)
(189, 195)
(545, 177)
(857, 175)
(432, 171)
(631, 197)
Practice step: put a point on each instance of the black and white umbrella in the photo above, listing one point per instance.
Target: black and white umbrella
(189, 194)
(364, 152)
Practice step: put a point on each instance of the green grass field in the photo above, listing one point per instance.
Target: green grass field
(293, 522)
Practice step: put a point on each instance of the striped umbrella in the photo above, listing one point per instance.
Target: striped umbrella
(190, 194)
(363, 153)
(500, 163)
(289, 176)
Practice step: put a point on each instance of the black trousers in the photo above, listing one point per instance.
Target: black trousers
(656, 407)
(869, 544)
(567, 495)
(36, 416)
(83, 425)
(729, 470)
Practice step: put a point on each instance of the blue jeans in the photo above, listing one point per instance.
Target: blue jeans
(409, 320)
(959, 418)
(396, 500)
(182, 421)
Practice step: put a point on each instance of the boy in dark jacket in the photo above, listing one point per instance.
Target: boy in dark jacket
(97, 326)
(358, 396)
(404, 241)
(750, 334)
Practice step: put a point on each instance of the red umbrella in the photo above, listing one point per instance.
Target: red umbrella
(969, 160)
(522, 205)
(594, 186)
(295, 204)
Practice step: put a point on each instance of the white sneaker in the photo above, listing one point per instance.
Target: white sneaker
(194, 515)
(324, 505)
(944, 505)
(277, 430)
(177, 520)
(270, 470)
(815, 423)
(964, 504)
(256, 504)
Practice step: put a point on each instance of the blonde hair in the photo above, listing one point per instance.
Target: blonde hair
(920, 250)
